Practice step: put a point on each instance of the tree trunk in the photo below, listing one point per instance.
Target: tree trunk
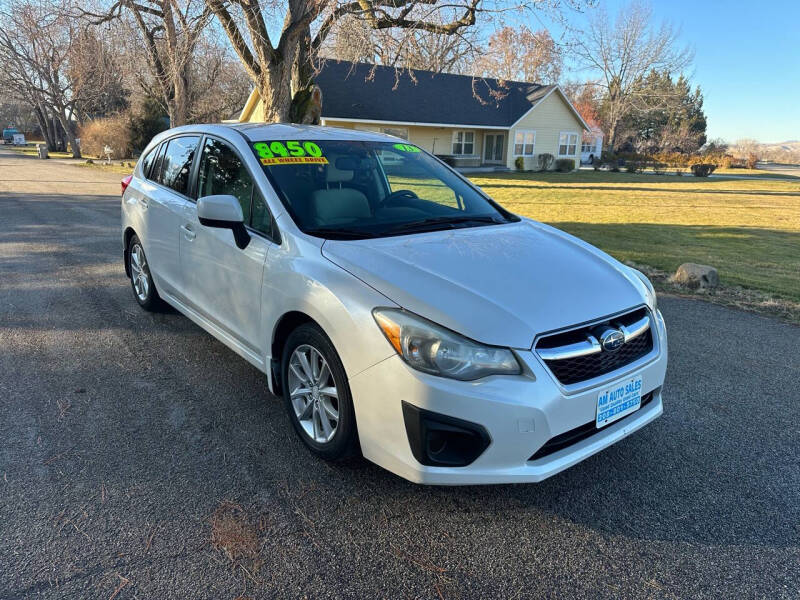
(41, 119)
(287, 90)
(56, 134)
(612, 134)
(178, 101)
(306, 104)
(275, 89)
(73, 143)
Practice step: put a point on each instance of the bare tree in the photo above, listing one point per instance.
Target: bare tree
(19, 84)
(283, 70)
(354, 40)
(428, 51)
(521, 55)
(96, 75)
(39, 48)
(220, 85)
(622, 52)
(749, 150)
(17, 113)
(169, 31)
(586, 97)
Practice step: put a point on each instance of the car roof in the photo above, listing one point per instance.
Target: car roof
(259, 132)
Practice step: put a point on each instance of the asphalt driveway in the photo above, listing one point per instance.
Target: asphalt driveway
(122, 432)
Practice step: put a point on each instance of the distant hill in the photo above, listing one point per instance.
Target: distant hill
(786, 152)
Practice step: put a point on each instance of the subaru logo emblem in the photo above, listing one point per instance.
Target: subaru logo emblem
(612, 339)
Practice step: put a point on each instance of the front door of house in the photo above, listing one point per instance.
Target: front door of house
(493, 144)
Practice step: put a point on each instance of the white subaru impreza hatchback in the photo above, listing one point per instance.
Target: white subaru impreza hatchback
(397, 309)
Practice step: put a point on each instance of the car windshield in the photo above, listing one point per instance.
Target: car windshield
(360, 189)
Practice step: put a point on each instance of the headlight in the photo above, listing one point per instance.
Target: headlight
(652, 299)
(434, 349)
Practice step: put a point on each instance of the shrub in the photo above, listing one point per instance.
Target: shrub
(679, 172)
(545, 161)
(596, 163)
(751, 160)
(738, 163)
(145, 123)
(672, 159)
(718, 159)
(659, 168)
(110, 131)
(565, 165)
(519, 163)
(703, 169)
(608, 156)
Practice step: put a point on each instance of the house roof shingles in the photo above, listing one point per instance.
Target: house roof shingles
(379, 93)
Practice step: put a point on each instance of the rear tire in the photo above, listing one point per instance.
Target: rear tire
(316, 394)
(144, 288)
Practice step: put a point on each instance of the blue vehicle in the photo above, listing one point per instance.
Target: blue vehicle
(8, 135)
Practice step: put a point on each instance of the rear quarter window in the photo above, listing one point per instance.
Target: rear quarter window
(155, 171)
(147, 162)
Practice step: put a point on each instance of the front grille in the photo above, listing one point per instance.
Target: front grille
(573, 436)
(583, 368)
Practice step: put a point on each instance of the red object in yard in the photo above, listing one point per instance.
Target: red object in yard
(126, 182)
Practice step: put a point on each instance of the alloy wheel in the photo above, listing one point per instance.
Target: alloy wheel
(140, 273)
(313, 393)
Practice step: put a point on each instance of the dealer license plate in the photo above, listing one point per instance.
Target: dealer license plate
(618, 401)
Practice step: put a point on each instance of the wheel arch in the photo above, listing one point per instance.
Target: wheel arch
(129, 233)
(287, 323)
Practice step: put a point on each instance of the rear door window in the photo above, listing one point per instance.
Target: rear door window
(177, 163)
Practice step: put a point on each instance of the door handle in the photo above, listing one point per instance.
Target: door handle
(188, 234)
(143, 201)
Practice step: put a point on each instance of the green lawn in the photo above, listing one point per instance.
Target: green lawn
(748, 229)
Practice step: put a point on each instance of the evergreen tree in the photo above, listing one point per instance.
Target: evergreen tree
(668, 116)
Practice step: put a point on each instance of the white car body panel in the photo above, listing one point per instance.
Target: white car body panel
(522, 278)
(222, 282)
(520, 414)
(502, 285)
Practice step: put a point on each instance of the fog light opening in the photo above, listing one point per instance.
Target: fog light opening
(443, 441)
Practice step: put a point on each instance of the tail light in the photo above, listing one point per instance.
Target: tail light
(126, 181)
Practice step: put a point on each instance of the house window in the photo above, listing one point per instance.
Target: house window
(524, 143)
(464, 142)
(567, 144)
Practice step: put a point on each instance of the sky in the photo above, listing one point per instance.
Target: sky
(747, 63)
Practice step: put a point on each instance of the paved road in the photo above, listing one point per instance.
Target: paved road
(792, 171)
(122, 432)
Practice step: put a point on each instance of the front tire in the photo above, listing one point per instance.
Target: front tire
(316, 394)
(144, 288)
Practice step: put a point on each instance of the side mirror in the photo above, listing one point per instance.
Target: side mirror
(225, 212)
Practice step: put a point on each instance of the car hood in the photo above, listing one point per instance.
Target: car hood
(499, 284)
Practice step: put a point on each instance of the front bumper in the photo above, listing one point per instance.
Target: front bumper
(520, 414)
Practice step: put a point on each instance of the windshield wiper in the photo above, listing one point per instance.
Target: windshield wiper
(434, 223)
(334, 233)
